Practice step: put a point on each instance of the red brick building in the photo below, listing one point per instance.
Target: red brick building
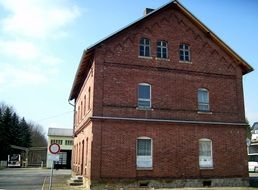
(160, 104)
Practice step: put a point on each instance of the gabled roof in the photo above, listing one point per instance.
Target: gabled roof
(88, 52)
(60, 132)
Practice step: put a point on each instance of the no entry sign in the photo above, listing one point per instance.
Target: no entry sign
(54, 148)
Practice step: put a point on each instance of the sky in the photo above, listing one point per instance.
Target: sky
(41, 43)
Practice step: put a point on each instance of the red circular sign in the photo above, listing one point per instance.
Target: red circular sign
(54, 148)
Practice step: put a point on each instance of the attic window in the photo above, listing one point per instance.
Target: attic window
(162, 49)
(144, 47)
(184, 52)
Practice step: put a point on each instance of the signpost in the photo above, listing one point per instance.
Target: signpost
(53, 149)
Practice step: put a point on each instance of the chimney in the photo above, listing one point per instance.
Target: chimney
(147, 11)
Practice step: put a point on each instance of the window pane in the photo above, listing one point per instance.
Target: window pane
(144, 92)
(164, 55)
(203, 96)
(159, 43)
(147, 51)
(141, 50)
(203, 107)
(144, 147)
(205, 148)
(181, 46)
(144, 103)
(205, 154)
(147, 42)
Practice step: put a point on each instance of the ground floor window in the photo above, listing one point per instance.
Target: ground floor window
(144, 152)
(205, 153)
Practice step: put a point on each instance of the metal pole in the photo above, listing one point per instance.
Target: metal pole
(51, 176)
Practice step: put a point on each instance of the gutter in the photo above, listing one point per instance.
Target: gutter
(168, 121)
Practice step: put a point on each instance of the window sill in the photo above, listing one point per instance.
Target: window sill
(205, 112)
(208, 168)
(162, 59)
(145, 57)
(139, 168)
(144, 109)
(187, 62)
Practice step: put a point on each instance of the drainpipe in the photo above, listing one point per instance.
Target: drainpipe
(73, 129)
(73, 116)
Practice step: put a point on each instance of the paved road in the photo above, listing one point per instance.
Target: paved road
(26, 178)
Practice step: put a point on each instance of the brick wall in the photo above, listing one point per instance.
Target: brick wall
(119, 70)
(175, 150)
(116, 72)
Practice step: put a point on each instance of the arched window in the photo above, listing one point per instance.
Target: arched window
(203, 100)
(205, 153)
(89, 94)
(81, 109)
(84, 109)
(162, 49)
(79, 114)
(144, 152)
(184, 52)
(144, 47)
(144, 95)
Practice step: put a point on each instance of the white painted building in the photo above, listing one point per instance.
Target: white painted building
(63, 137)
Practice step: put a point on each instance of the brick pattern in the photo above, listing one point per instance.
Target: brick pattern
(175, 150)
(117, 70)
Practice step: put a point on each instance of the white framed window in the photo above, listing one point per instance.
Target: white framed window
(203, 100)
(184, 52)
(68, 142)
(144, 152)
(60, 142)
(162, 49)
(205, 153)
(144, 47)
(144, 95)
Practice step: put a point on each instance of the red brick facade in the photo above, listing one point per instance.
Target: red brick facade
(108, 124)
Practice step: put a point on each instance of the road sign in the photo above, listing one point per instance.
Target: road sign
(54, 148)
(53, 157)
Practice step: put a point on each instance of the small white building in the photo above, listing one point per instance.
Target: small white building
(63, 137)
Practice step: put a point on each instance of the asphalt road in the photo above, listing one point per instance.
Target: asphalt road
(26, 178)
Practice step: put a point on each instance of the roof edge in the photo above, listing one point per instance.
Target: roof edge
(249, 68)
(246, 68)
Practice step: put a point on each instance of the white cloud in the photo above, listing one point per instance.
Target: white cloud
(27, 29)
(21, 76)
(38, 18)
(19, 49)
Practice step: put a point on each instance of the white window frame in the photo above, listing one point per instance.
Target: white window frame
(206, 162)
(184, 50)
(163, 45)
(141, 159)
(144, 45)
(144, 99)
(203, 103)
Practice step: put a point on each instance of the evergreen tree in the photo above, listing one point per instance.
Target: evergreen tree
(16, 131)
(25, 133)
(6, 118)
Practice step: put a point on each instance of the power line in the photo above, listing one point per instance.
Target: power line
(54, 116)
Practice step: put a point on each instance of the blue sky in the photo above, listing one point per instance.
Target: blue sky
(41, 43)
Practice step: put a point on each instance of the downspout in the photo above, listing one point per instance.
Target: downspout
(73, 117)
(72, 161)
